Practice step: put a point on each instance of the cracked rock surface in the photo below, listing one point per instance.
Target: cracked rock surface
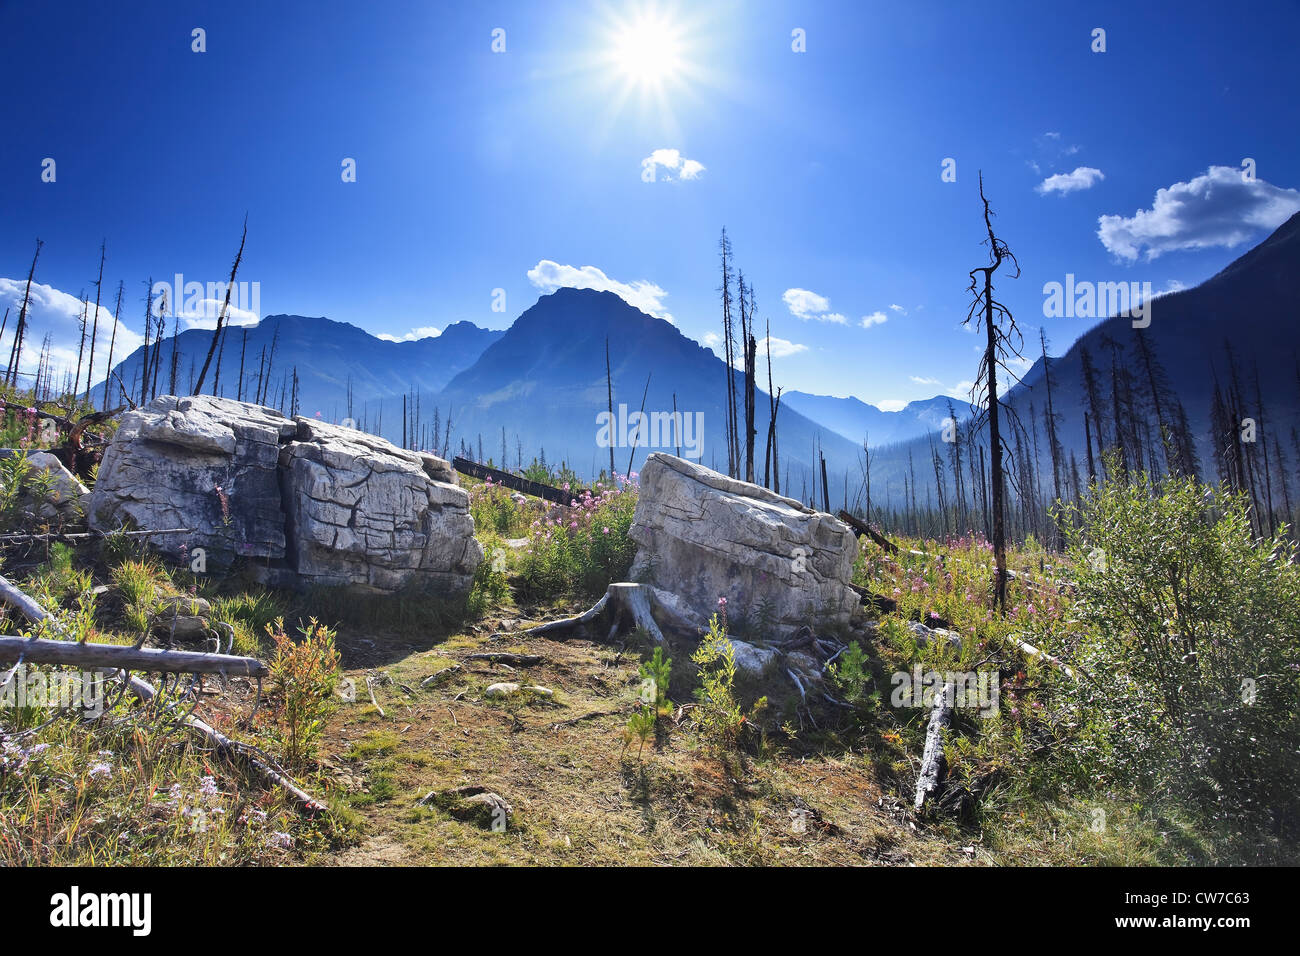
(308, 503)
(703, 536)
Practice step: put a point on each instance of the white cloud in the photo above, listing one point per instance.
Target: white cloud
(674, 165)
(203, 313)
(891, 405)
(898, 308)
(691, 169)
(804, 304)
(780, 347)
(420, 332)
(919, 380)
(1217, 208)
(58, 314)
(875, 318)
(549, 275)
(1083, 177)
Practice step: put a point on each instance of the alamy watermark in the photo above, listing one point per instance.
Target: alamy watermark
(1098, 300)
(972, 690)
(193, 297)
(666, 430)
(52, 690)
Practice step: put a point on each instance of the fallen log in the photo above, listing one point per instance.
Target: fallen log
(535, 488)
(80, 424)
(861, 527)
(147, 693)
(87, 535)
(1072, 670)
(932, 759)
(126, 657)
(885, 605)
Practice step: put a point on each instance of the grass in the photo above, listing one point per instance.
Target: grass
(576, 798)
(832, 788)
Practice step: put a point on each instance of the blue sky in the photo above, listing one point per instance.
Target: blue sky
(523, 169)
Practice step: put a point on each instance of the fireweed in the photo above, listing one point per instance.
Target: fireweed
(580, 549)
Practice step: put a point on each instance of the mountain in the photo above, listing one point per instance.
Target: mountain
(855, 420)
(328, 356)
(544, 383)
(1241, 324)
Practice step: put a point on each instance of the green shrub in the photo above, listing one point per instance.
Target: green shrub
(1192, 641)
(719, 716)
(655, 675)
(851, 674)
(304, 673)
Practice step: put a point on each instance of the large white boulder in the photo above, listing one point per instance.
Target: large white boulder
(704, 536)
(306, 502)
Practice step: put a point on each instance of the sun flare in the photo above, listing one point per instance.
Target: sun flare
(648, 50)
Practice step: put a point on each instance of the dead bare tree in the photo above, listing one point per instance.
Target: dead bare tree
(175, 357)
(640, 423)
(156, 362)
(112, 340)
(221, 316)
(1050, 419)
(148, 328)
(609, 395)
(728, 340)
(81, 348)
(751, 355)
(1002, 344)
(20, 330)
(94, 324)
(769, 455)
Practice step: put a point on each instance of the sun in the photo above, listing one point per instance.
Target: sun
(647, 50)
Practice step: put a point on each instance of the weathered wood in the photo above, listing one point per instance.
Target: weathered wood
(564, 625)
(623, 602)
(439, 675)
(632, 601)
(932, 758)
(87, 535)
(861, 527)
(535, 488)
(885, 605)
(146, 693)
(1072, 670)
(514, 660)
(125, 657)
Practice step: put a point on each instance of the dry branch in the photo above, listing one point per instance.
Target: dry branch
(932, 759)
(124, 657)
(1072, 670)
(146, 693)
(514, 660)
(439, 675)
(88, 535)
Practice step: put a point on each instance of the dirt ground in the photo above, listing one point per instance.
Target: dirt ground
(576, 796)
